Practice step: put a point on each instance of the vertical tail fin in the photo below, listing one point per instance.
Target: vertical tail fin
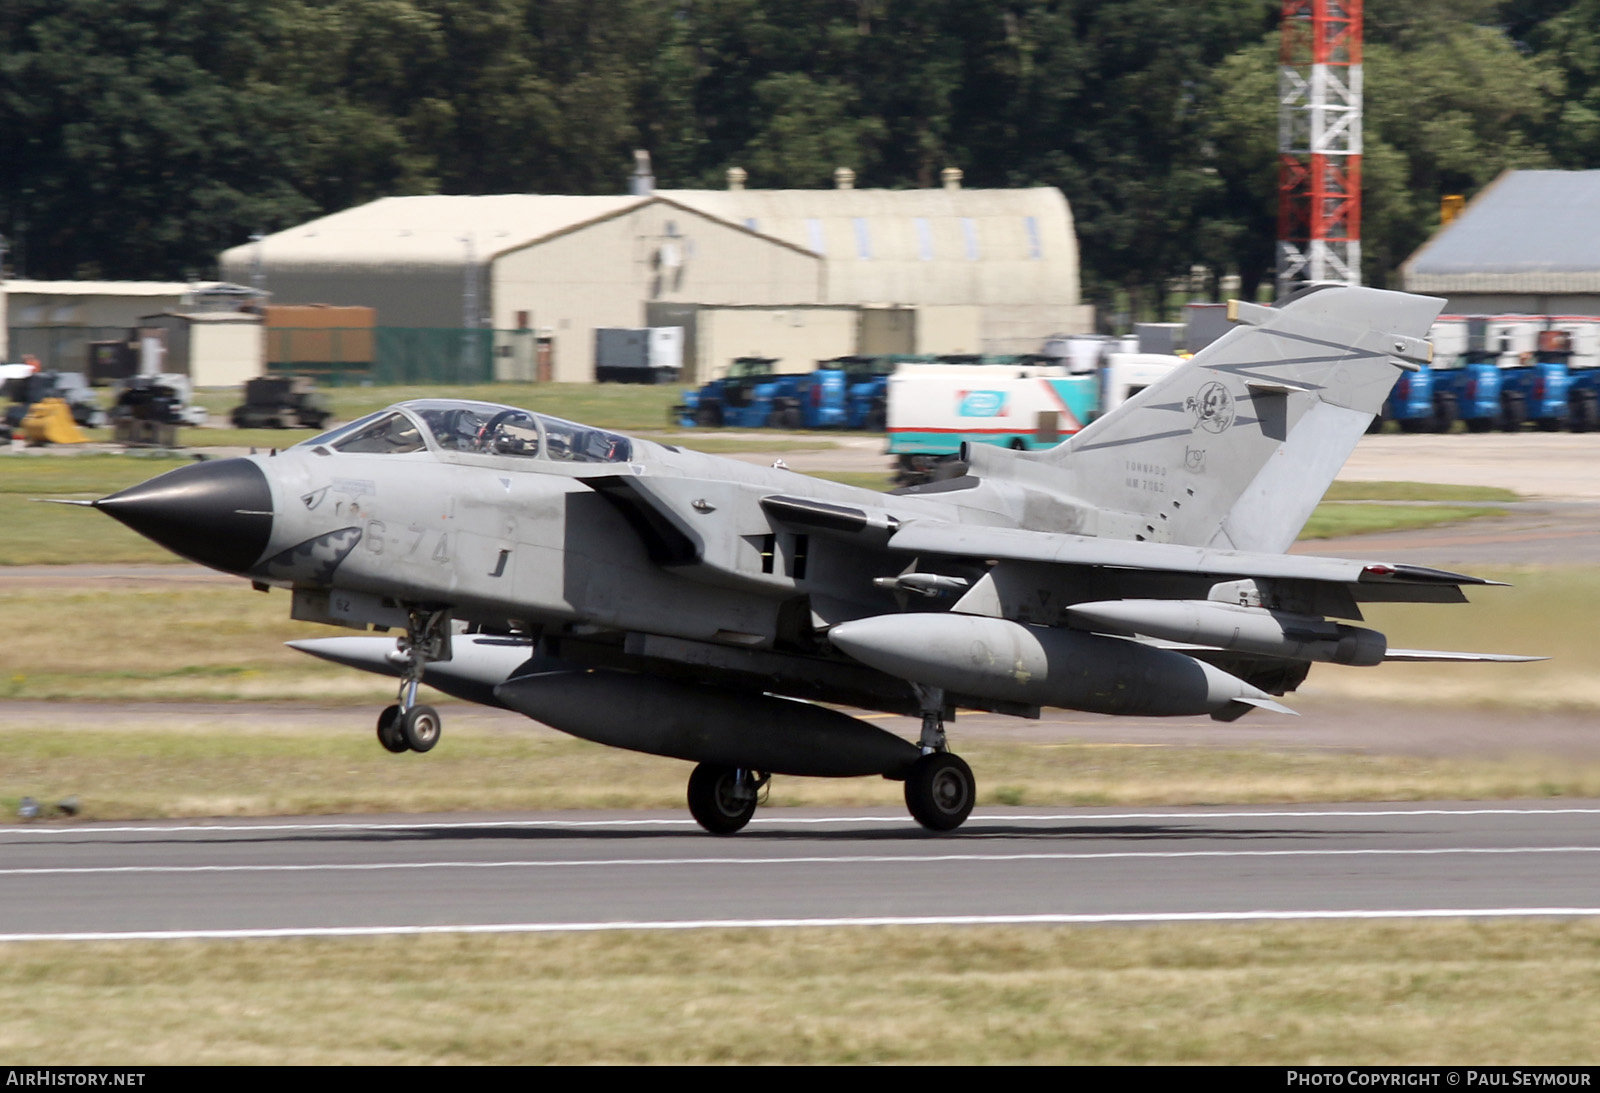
(1235, 449)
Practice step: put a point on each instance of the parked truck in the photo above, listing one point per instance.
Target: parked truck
(1411, 403)
(935, 409)
(1536, 389)
(1504, 371)
(841, 393)
(1466, 378)
(753, 395)
(651, 354)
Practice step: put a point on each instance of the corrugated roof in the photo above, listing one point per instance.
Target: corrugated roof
(99, 288)
(1529, 231)
(429, 230)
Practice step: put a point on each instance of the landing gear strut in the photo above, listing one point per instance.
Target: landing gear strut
(940, 789)
(409, 725)
(722, 799)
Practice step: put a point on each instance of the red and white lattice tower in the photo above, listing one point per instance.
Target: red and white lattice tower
(1319, 143)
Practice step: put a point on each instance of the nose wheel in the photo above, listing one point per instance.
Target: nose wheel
(389, 731)
(409, 725)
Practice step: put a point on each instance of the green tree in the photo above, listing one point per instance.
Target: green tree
(139, 138)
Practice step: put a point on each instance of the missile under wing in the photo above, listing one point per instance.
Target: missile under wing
(653, 598)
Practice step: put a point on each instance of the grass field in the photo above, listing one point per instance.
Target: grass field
(1333, 519)
(320, 762)
(1492, 992)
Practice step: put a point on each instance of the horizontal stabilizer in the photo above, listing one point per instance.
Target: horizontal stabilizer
(1375, 581)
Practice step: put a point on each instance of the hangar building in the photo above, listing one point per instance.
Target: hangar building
(569, 265)
(1528, 244)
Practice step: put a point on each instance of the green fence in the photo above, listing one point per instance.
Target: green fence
(334, 356)
(385, 355)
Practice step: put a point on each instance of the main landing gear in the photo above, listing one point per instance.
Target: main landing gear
(408, 725)
(940, 789)
(722, 799)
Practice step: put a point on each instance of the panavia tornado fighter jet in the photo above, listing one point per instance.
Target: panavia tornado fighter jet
(652, 598)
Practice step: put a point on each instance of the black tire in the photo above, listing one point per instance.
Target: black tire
(940, 791)
(712, 799)
(1444, 413)
(389, 731)
(420, 726)
(708, 417)
(1585, 417)
(1514, 413)
(789, 418)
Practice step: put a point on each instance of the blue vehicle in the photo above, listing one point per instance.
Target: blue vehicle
(1412, 406)
(866, 399)
(1469, 390)
(842, 393)
(1583, 400)
(751, 396)
(825, 395)
(1537, 391)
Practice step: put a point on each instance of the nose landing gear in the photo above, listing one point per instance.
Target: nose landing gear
(409, 725)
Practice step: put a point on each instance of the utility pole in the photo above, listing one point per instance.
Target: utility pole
(471, 316)
(1319, 143)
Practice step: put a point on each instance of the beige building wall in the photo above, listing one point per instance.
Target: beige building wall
(953, 328)
(1024, 329)
(798, 336)
(1011, 253)
(605, 274)
(881, 330)
(225, 352)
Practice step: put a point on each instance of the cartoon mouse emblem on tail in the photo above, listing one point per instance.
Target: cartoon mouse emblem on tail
(1212, 407)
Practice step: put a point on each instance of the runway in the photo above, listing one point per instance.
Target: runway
(588, 871)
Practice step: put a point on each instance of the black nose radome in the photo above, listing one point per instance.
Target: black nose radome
(216, 513)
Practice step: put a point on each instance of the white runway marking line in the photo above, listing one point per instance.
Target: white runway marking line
(773, 820)
(848, 859)
(1129, 918)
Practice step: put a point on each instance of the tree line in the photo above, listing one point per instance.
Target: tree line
(139, 138)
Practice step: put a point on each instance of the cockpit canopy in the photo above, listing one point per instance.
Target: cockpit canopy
(459, 425)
